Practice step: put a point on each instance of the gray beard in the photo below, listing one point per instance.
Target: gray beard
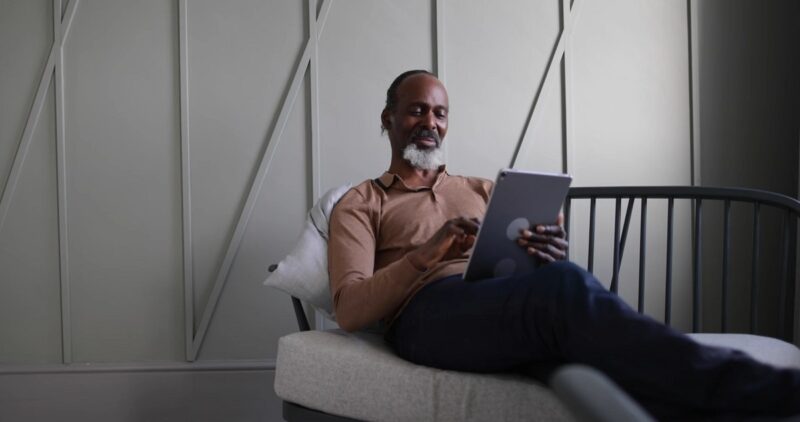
(427, 159)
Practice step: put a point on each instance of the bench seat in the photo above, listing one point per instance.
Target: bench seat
(358, 376)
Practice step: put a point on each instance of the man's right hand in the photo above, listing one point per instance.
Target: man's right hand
(451, 241)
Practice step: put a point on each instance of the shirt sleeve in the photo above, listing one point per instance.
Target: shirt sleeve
(360, 295)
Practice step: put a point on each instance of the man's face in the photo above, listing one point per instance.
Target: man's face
(420, 115)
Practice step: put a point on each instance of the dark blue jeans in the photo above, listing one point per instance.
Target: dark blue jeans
(561, 313)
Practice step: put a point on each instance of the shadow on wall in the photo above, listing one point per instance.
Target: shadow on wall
(749, 131)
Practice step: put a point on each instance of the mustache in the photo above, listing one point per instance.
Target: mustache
(427, 133)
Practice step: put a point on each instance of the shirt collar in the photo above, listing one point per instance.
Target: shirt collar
(389, 179)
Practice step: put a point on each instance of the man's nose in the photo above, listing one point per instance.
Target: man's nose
(429, 121)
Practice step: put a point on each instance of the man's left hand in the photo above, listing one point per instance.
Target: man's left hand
(546, 242)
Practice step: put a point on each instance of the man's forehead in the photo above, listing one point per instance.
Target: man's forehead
(422, 86)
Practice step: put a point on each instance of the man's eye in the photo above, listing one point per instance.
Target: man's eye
(416, 112)
(441, 115)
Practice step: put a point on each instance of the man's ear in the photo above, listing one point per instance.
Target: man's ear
(386, 119)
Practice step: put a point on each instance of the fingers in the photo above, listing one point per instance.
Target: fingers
(464, 232)
(544, 242)
(461, 230)
(547, 252)
(454, 238)
(467, 243)
(544, 230)
(547, 243)
(547, 258)
(536, 237)
(554, 230)
(458, 236)
(466, 225)
(527, 237)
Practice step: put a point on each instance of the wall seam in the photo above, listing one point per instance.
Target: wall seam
(64, 25)
(313, 77)
(186, 179)
(566, 98)
(63, 244)
(694, 91)
(439, 51)
(313, 71)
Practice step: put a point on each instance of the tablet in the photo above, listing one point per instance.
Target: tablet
(519, 200)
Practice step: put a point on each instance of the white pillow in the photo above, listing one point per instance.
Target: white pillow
(304, 272)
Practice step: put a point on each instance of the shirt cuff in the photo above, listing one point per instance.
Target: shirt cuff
(408, 266)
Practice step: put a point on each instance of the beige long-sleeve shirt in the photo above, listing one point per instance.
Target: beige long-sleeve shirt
(372, 229)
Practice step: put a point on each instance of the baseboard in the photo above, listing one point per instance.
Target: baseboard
(227, 365)
(170, 391)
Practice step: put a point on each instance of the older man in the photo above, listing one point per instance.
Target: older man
(398, 246)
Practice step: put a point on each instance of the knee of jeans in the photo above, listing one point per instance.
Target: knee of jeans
(567, 269)
(565, 266)
(570, 277)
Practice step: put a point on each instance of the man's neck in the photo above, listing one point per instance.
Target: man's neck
(413, 177)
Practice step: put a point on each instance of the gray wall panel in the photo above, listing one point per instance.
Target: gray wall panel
(241, 59)
(629, 109)
(123, 181)
(365, 44)
(492, 79)
(631, 124)
(26, 35)
(277, 220)
(631, 95)
(30, 311)
(629, 120)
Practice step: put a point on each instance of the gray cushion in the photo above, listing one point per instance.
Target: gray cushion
(765, 349)
(356, 375)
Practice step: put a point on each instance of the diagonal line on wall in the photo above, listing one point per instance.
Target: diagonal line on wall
(27, 135)
(323, 17)
(255, 187)
(66, 20)
(536, 112)
(33, 117)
